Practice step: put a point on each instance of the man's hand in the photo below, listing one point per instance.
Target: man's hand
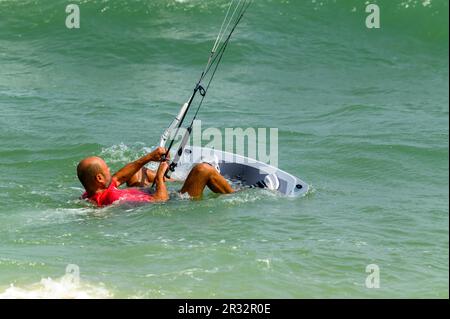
(159, 153)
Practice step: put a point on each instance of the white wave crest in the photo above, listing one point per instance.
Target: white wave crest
(62, 288)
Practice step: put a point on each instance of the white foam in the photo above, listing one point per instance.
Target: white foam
(62, 288)
(122, 153)
(248, 196)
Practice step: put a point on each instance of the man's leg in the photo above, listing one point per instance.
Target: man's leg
(205, 175)
(136, 179)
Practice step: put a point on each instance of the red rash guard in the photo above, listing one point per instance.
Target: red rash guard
(112, 194)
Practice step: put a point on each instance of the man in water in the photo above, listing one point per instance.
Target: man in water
(102, 188)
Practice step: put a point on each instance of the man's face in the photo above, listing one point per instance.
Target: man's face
(94, 174)
(104, 178)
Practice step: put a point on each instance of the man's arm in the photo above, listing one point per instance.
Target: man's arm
(125, 173)
(161, 194)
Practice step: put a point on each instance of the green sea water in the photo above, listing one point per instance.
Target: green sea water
(362, 117)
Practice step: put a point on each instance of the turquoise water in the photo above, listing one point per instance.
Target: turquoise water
(362, 117)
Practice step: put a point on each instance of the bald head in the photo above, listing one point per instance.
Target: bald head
(93, 173)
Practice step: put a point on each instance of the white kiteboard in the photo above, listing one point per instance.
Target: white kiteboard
(242, 170)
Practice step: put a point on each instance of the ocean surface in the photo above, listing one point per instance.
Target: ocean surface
(362, 117)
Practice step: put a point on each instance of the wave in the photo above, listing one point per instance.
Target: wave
(176, 19)
(60, 288)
